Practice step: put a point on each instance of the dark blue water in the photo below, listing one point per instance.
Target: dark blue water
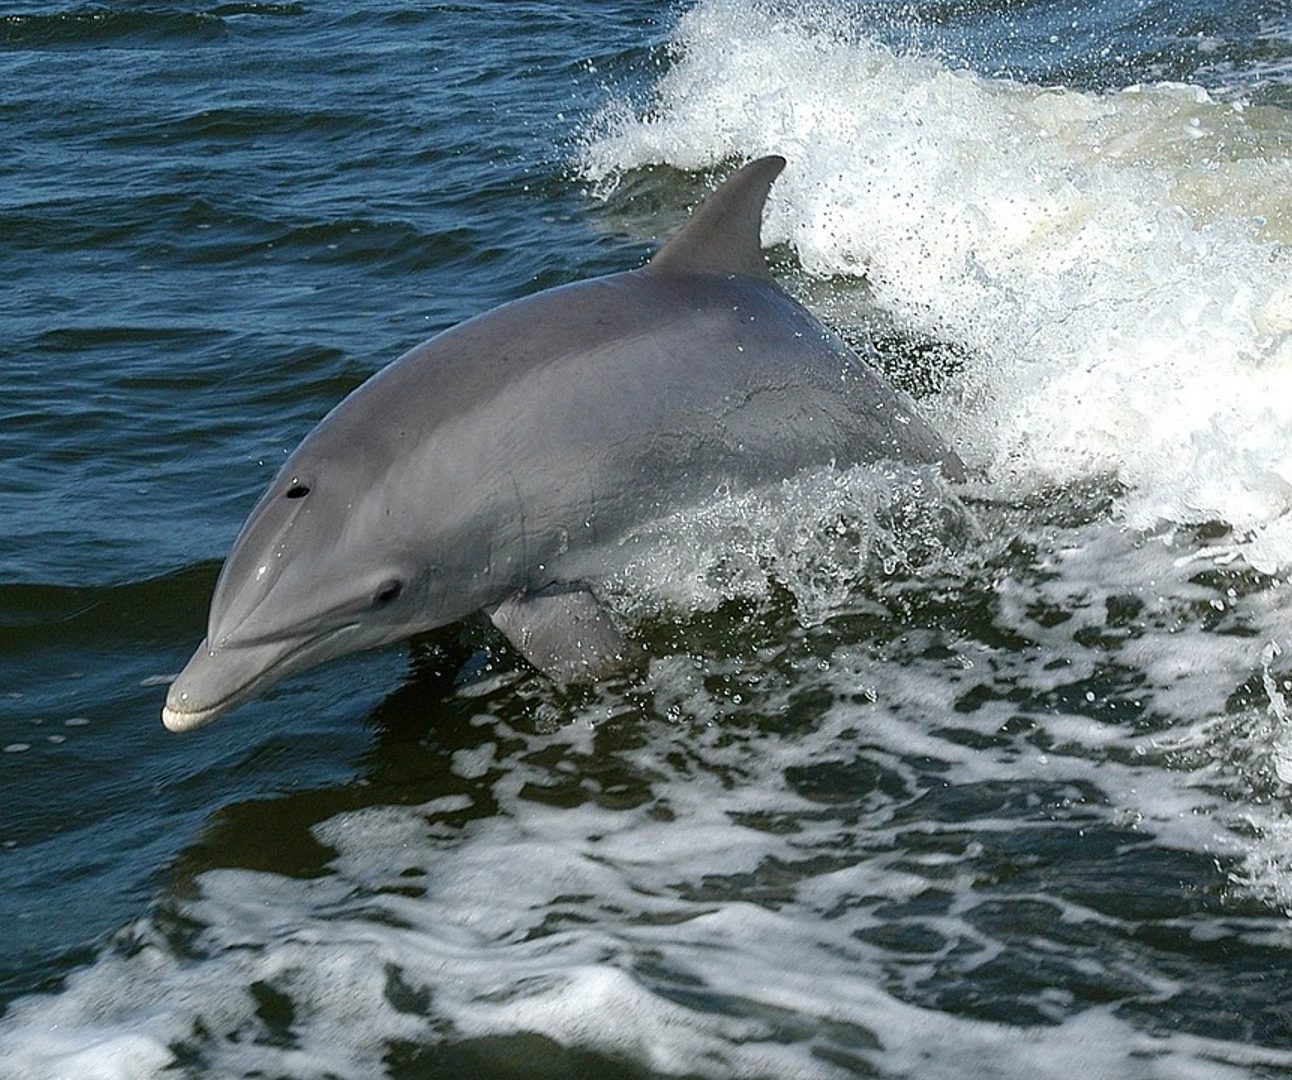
(215, 221)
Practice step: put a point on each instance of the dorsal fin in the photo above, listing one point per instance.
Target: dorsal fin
(723, 235)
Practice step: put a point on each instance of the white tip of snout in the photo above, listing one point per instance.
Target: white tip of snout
(182, 720)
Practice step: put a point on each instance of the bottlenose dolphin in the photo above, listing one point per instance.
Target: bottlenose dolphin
(499, 466)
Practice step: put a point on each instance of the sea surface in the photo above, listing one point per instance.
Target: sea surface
(922, 781)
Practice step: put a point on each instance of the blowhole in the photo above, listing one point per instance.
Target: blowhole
(297, 491)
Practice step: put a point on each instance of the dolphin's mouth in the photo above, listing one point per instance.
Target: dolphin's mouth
(177, 719)
(199, 694)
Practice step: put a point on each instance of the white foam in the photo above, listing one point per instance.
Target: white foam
(718, 927)
(817, 536)
(1116, 267)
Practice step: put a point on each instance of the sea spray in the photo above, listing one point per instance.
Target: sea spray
(1112, 269)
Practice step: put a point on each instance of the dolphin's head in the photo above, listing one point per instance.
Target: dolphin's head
(318, 571)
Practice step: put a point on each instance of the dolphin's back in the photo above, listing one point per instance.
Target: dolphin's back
(581, 411)
(692, 372)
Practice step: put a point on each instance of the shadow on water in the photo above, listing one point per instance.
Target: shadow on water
(523, 1055)
(418, 727)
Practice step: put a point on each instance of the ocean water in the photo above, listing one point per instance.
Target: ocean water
(923, 780)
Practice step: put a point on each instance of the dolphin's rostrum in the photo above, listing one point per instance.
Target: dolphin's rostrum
(497, 466)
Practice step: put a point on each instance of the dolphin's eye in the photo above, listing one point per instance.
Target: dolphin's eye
(387, 593)
(297, 491)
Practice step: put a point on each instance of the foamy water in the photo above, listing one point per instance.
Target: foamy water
(1113, 269)
(700, 875)
(923, 780)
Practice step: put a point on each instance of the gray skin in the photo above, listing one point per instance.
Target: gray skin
(500, 465)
